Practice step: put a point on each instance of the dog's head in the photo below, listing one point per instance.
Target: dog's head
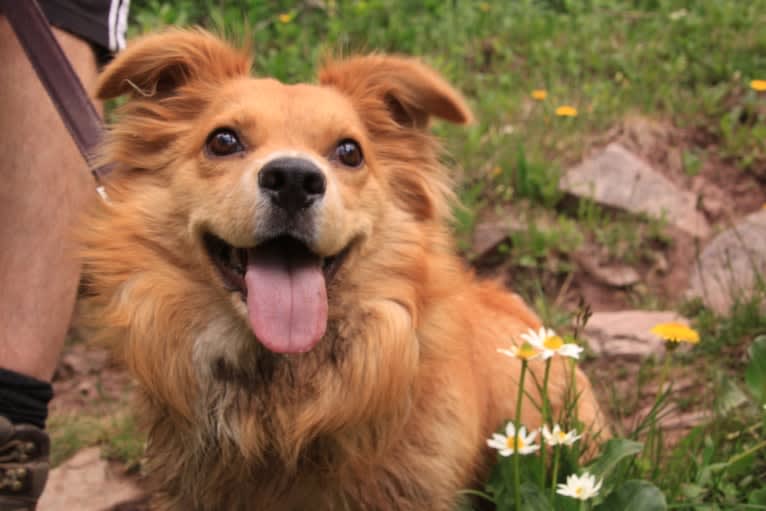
(253, 212)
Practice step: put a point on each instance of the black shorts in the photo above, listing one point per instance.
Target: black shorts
(102, 23)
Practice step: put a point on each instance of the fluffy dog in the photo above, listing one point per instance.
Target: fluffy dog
(274, 265)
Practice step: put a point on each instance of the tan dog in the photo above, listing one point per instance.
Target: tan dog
(276, 269)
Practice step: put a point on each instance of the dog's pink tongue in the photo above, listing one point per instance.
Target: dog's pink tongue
(286, 298)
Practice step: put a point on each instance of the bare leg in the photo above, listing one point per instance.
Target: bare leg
(43, 185)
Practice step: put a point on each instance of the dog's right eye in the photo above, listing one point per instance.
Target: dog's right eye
(223, 142)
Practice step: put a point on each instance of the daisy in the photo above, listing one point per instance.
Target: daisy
(558, 437)
(580, 487)
(524, 352)
(676, 332)
(510, 443)
(548, 343)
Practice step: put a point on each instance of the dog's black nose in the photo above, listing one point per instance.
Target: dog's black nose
(292, 183)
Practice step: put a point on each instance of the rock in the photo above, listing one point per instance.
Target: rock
(626, 333)
(86, 483)
(731, 265)
(610, 273)
(495, 226)
(618, 178)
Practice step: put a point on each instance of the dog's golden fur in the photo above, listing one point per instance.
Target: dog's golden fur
(392, 408)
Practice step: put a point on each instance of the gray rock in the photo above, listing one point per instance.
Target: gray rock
(618, 178)
(731, 265)
(86, 483)
(611, 273)
(626, 333)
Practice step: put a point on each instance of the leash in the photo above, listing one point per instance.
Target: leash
(59, 79)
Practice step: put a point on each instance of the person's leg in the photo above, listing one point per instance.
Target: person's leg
(43, 184)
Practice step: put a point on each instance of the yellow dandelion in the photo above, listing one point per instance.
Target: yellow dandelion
(285, 17)
(484, 7)
(539, 94)
(676, 332)
(496, 170)
(566, 111)
(758, 85)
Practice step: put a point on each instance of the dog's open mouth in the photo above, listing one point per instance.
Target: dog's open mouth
(284, 285)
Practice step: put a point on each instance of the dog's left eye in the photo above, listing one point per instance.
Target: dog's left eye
(223, 142)
(349, 153)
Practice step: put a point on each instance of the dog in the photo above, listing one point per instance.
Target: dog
(274, 266)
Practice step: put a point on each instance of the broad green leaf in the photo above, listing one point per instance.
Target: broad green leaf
(758, 497)
(534, 499)
(634, 495)
(755, 374)
(613, 451)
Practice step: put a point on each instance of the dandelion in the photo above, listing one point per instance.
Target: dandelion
(496, 170)
(676, 332)
(512, 443)
(285, 17)
(566, 111)
(580, 487)
(539, 94)
(524, 352)
(548, 343)
(758, 85)
(559, 437)
(484, 7)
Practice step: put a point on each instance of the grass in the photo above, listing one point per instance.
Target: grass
(684, 62)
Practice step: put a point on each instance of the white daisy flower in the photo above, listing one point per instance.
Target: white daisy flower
(511, 443)
(524, 352)
(551, 344)
(558, 437)
(580, 487)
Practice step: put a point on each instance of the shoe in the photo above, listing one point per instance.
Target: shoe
(24, 464)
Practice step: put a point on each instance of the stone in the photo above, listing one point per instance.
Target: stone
(627, 333)
(612, 274)
(493, 227)
(86, 483)
(731, 264)
(618, 178)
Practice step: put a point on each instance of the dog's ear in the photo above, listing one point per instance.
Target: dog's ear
(155, 65)
(410, 91)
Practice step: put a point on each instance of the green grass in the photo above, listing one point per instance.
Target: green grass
(685, 62)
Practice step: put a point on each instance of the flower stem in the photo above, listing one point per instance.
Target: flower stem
(555, 474)
(546, 420)
(517, 424)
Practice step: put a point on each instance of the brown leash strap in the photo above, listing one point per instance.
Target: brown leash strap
(56, 74)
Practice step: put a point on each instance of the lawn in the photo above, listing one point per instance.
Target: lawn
(551, 81)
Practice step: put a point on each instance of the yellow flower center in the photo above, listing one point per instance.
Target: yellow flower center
(518, 441)
(561, 436)
(553, 342)
(579, 491)
(526, 351)
(285, 17)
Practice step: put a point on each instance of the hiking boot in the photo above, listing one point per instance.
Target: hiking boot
(24, 451)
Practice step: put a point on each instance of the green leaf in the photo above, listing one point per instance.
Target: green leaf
(758, 497)
(635, 495)
(534, 499)
(613, 452)
(755, 374)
